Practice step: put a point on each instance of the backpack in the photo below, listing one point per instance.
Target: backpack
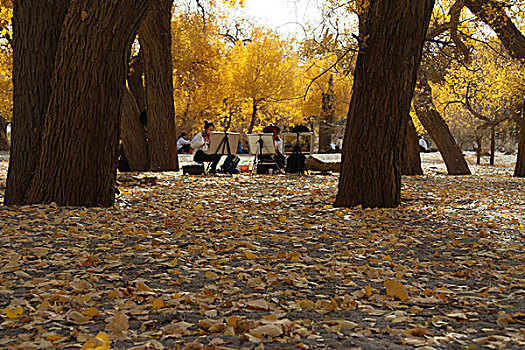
(296, 164)
(230, 165)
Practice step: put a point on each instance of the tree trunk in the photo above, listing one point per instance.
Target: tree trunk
(479, 150)
(155, 38)
(411, 157)
(78, 162)
(253, 121)
(384, 81)
(520, 164)
(494, 15)
(36, 29)
(133, 135)
(438, 129)
(4, 142)
(327, 118)
(136, 80)
(492, 144)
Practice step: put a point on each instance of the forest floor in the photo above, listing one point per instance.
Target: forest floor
(266, 263)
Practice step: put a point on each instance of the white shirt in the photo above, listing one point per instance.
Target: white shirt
(423, 143)
(199, 143)
(279, 145)
(182, 141)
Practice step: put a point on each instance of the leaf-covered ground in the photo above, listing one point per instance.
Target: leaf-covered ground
(267, 263)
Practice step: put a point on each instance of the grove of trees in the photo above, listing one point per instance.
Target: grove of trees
(77, 76)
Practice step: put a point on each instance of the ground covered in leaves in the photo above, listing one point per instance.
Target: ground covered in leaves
(267, 263)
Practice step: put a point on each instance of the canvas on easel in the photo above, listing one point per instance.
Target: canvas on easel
(219, 147)
(268, 144)
(305, 141)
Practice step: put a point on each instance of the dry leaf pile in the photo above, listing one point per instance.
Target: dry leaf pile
(267, 263)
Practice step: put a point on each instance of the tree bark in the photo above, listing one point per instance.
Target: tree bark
(253, 121)
(36, 29)
(438, 129)
(136, 80)
(492, 144)
(133, 135)
(520, 163)
(155, 38)
(4, 142)
(493, 14)
(77, 166)
(327, 118)
(384, 81)
(411, 157)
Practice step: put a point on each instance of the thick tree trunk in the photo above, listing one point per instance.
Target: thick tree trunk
(411, 157)
(493, 13)
(479, 150)
(253, 121)
(4, 142)
(492, 145)
(385, 77)
(327, 118)
(136, 80)
(155, 38)
(36, 29)
(520, 164)
(438, 129)
(133, 135)
(78, 162)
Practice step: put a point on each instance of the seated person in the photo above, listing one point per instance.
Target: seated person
(184, 144)
(339, 145)
(201, 143)
(279, 159)
(423, 145)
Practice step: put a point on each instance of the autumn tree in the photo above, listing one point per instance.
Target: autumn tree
(36, 28)
(155, 39)
(266, 73)
(392, 36)
(77, 164)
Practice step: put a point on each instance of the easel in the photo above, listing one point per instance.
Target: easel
(264, 146)
(225, 143)
(298, 153)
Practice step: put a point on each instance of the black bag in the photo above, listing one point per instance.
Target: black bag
(196, 169)
(296, 164)
(264, 168)
(230, 165)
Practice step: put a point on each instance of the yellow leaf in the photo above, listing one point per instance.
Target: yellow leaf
(157, 303)
(283, 219)
(54, 337)
(91, 312)
(260, 304)
(13, 313)
(250, 256)
(143, 287)
(369, 290)
(100, 342)
(118, 323)
(211, 275)
(199, 207)
(44, 306)
(396, 289)
(83, 15)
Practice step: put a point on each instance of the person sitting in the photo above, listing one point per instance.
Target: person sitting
(184, 144)
(423, 146)
(200, 145)
(339, 145)
(278, 158)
